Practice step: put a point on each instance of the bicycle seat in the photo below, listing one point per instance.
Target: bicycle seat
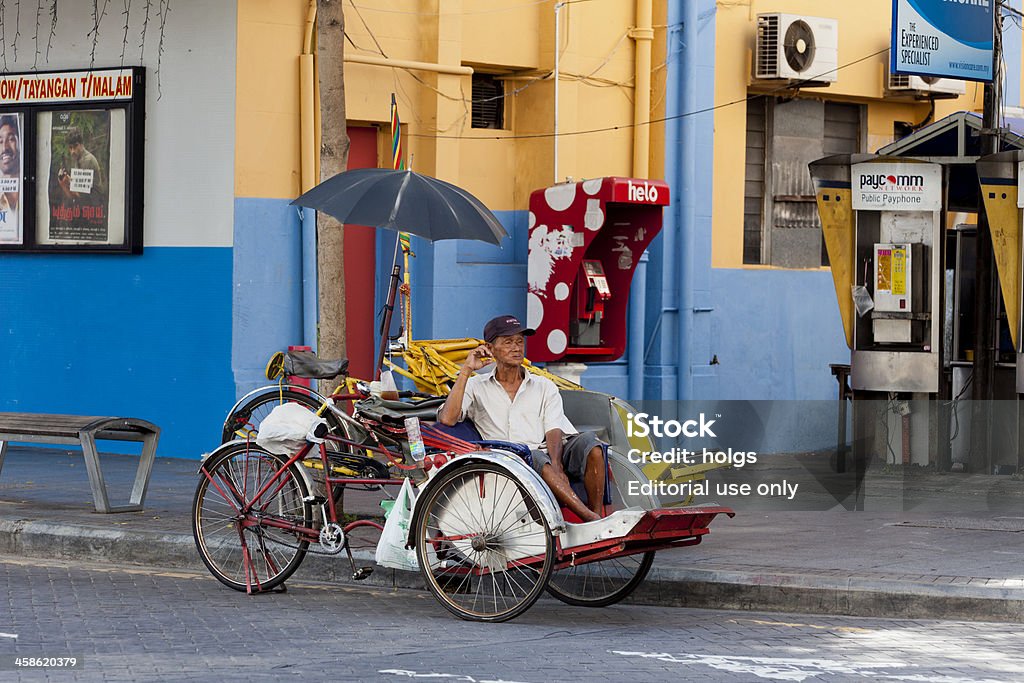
(382, 410)
(306, 364)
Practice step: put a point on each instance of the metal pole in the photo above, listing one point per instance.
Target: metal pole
(558, 32)
(637, 324)
(389, 309)
(984, 342)
(686, 259)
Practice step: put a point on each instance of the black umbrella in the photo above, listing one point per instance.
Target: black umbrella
(405, 201)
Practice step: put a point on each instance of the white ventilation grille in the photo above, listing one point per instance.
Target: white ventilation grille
(899, 82)
(767, 46)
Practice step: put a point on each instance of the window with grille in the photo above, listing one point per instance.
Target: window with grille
(488, 101)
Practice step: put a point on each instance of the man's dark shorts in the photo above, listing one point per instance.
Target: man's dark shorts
(574, 455)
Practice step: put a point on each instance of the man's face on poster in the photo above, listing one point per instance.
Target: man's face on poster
(9, 152)
(75, 149)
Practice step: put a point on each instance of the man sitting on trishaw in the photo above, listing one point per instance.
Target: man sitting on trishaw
(510, 404)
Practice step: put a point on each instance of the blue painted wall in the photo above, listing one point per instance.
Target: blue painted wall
(774, 333)
(459, 285)
(144, 336)
(267, 288)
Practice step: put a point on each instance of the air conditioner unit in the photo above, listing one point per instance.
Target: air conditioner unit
(794, 47)
(925, 86)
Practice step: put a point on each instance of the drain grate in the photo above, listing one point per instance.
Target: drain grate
(1012, 524)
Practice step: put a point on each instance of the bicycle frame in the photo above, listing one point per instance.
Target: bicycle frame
(245, 509)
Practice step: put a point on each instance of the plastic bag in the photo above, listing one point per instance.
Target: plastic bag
(287, 429)
(388, 388)
(862, 299)
(391, 550)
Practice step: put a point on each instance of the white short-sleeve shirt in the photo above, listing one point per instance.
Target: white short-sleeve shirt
(536, 410)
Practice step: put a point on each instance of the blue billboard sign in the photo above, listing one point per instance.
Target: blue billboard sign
(943, 38)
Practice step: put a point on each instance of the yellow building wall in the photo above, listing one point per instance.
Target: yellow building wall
(863, 56)
(267, 98)
(506, 37)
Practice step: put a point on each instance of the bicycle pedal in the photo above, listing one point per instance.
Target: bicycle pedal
(362, 573)
(314, 500)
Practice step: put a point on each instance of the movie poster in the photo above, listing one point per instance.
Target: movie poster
(11, 176)
(81, 178)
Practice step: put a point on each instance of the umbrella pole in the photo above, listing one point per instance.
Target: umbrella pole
(407, 290)
(389, 309)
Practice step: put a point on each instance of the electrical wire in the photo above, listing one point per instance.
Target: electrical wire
(954, 405)
(1011, 9)
(884, 417)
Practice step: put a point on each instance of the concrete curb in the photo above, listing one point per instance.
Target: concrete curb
(698, 588)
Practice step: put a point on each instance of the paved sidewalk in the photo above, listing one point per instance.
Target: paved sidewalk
(924, 546)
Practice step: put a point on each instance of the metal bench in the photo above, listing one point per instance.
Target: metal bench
(84, 431)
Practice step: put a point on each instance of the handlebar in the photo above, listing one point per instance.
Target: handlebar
(415, 394)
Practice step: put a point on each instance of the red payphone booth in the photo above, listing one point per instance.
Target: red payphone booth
(585, 241)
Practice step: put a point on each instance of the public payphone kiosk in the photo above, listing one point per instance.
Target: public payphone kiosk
(881, 220)
(881, 223)
(586, 239)
(898, 206)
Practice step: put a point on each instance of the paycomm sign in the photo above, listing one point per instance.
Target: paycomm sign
(897, 187)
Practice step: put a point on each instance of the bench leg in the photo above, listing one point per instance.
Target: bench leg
(92, 464)
(3, 452)
(143, 472)
(99, 485)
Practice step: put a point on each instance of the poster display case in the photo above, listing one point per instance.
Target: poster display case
(71, 161)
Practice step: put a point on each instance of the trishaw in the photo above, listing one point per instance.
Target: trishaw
(488, 534)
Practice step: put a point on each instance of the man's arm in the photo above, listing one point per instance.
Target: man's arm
(451, 411)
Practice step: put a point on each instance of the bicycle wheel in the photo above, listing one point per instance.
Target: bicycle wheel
(251, 414)
(599, 584)
(242, 551)
(484, 547)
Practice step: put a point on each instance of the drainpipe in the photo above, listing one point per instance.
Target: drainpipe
(637, 322)
(558, 48)
(309, 175)
(643, 35)
(687, 224)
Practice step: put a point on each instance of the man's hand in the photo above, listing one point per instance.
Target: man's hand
(452, 408)
(478, 358)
